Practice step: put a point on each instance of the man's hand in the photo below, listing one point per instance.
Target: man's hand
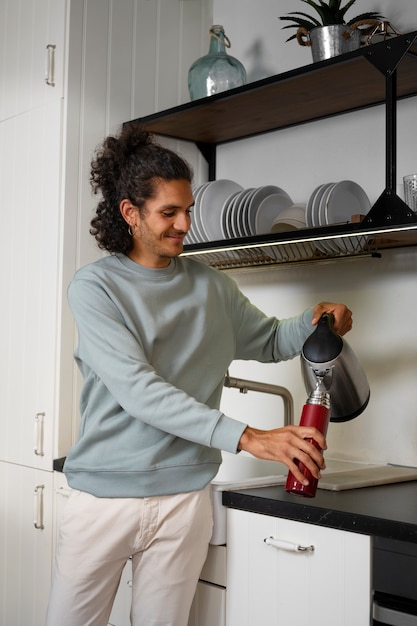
(286, 445)
(342, 316)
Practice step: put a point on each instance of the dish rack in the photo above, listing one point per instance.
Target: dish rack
(297, 247)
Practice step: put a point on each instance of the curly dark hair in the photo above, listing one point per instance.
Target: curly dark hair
(128, 166)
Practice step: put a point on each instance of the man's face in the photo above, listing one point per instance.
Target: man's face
(159, 233)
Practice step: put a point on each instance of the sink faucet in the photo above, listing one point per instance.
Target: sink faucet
(250, 385)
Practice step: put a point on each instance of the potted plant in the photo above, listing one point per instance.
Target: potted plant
(329, 33)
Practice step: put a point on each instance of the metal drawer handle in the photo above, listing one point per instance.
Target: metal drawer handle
(38, 434)
(281, 544)
(50, 65)
(38, 507)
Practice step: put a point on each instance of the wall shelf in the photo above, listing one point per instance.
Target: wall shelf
(381, 73)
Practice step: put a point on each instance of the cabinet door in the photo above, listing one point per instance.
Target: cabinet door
(33, 38)
(209, 606)
(31, 301)
(276, 586)
(25, 544)
(120, 615)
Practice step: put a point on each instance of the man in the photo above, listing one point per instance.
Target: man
(157, 333)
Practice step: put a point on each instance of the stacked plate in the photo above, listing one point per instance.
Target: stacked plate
(225, 210)
(335, 203)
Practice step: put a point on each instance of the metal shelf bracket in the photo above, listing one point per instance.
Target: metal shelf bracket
(386, 58)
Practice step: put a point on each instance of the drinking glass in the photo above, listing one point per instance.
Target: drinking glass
(410, 191)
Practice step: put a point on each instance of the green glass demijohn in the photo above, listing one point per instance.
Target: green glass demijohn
(217, 71)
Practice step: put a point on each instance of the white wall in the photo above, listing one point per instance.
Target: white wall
(381, 292)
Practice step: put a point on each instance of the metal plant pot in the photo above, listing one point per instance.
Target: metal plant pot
(329, 41)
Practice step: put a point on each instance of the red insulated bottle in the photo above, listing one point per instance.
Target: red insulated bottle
(316, 412)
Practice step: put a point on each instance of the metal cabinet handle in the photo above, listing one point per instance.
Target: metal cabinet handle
(50, 65)
(38, 446)
(38, 507)
(281, 544)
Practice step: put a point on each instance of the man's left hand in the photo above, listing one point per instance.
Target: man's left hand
(342, 316)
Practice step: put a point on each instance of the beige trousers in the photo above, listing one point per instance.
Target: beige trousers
(167, 538)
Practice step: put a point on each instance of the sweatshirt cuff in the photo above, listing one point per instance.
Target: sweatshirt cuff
(307, 319)
(227, 434)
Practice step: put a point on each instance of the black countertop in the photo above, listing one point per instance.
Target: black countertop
(388, 511)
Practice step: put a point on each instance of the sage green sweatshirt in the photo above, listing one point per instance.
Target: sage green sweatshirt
(153, 349)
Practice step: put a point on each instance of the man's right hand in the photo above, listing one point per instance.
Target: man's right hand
(287, 445)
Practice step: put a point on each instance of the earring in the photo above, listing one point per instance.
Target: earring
(129, 230)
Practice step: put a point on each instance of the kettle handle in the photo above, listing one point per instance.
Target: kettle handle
(328, 319)
(324, 344)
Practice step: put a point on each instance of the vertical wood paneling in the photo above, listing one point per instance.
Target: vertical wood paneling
(170, 43)
(146, 57)
(121, 55)
(196, 21)
(168, 40)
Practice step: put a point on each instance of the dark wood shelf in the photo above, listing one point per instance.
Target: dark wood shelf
(345, 83)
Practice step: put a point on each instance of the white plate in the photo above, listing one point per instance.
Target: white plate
(211, 205)
(244, 220)
(315, 215)
(268, 210)
(347, 198)
(237, 226)
(312, 212)
(310, 205)
(189, 238)
(259, 195)
(330, 245)
(231, 216)
(225, 214)
(196, 225)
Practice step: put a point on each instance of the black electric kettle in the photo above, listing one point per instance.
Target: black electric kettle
(328, 357)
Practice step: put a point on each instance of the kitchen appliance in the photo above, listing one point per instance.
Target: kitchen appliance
(337, 386)
(394, 567)
(327, 356)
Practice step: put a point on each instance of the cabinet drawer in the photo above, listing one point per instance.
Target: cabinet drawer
(326, 584)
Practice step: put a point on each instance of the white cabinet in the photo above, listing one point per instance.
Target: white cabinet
(26, 527)
(209, 605)
(329, 585)
(36, 381)
(120, 615)
(33, 49)
(29, 256)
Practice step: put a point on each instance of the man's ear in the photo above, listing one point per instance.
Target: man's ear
(129, 211)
